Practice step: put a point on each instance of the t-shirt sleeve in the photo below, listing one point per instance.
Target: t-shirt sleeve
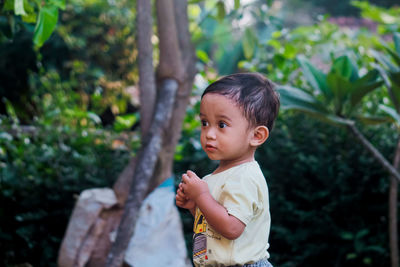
(240, 198)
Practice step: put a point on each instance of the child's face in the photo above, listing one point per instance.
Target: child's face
(225, 132)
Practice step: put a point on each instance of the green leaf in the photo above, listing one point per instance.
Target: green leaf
(363, 86)
(124, 122)
(351, 256)
(345, 68)
(396, 40)
(58, 3)
(316, 78)
(202, 55)
(395, 77)
(237, 4)
(94, 117)
(296, 99)
(249, 43)
(373, 120)
(383, 60)
(221, 10)
(19, 7)
(339, 85)
(347, 236)
(10, 109)
(395, 56)
(290, 51)
(48, 16)
(391, 112)
(293, 97)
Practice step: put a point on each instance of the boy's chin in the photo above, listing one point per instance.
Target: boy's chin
(213, 157)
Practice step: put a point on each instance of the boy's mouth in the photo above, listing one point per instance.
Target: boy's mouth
(210, 148)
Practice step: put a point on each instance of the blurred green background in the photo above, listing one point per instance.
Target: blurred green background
(69, 118)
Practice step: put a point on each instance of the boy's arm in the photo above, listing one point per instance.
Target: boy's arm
(216, 215)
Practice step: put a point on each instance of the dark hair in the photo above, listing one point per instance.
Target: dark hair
(253, 93)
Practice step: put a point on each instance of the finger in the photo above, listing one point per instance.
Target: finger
(191, 174)
(181, 194)
(185, 179)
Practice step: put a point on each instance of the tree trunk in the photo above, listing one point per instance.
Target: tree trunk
(177, 69)
(188, 67)
(143, 172)
(147, 84)
(393, 192)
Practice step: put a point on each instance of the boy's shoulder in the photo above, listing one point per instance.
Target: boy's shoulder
(243, 173)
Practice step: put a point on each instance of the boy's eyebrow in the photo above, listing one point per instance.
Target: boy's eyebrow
(224, 117)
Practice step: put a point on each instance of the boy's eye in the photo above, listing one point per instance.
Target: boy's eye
(204, 123)
(222, 124)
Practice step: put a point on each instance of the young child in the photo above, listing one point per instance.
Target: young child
(231, 206)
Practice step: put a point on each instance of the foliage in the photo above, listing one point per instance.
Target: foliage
(335, 96)
(388, 19)
(228, 32)
(43, 13)
(91, 48)
(345, 8)
(325, 192)
(43, 170)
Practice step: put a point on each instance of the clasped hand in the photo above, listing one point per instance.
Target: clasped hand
(190, 188)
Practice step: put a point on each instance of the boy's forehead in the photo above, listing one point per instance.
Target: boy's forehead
(219, 105)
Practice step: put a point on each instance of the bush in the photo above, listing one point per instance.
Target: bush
(43, 170)
(328, 197)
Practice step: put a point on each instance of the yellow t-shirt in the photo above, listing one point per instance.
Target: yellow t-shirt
(242, 190)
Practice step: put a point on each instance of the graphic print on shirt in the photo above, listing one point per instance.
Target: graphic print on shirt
(199, 238)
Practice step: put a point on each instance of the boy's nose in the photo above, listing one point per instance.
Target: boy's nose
(210, 134)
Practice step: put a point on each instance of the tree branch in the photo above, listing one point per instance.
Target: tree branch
(375, 153)
(170, 65)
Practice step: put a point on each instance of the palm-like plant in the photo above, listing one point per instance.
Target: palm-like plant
(335, 97)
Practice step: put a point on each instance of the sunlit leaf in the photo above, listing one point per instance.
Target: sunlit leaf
(391, 112)
(221, 10)
(396, 40)
(94, 117)
(364, 85)
(58, 3)
(394, 55)
(296, 99)
(316, 78)
(125, 122)
(383, 60)
(46, 24)
(237, 4)
(373, 120)
(339, 85)
(345, 68)
(19, 7)
(249, 43)
(202, 55)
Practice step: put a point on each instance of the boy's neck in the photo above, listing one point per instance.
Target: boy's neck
(226, 165)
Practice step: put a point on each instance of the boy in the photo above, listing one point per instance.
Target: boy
(231, 206)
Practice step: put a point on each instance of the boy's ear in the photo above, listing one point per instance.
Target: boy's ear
(260, 135)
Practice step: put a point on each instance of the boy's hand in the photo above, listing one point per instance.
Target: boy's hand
(193, 186)
(182, 201)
